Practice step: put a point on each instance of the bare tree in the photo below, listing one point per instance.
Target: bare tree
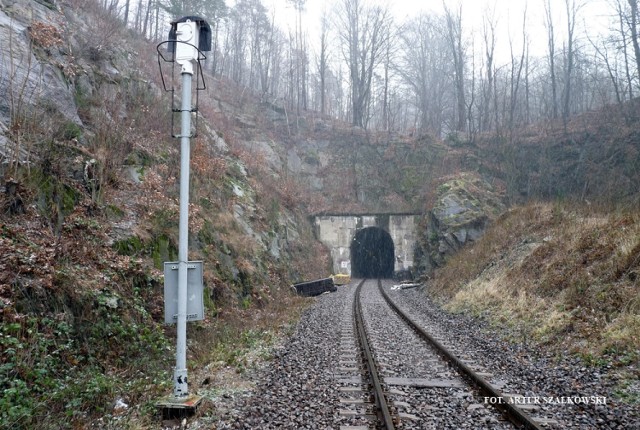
(551, 44)
(126, 12)
(138, 20)
(633, 26)
(237, 41)
(454, 33)
(156, 18)
(516, 72)
(425, 66)
(602, 51)
(323, 61)
(422, 81)
(570, 52)
(300, 58)
(624, 13)
(489, 36)
(363, 34)
(625, 52)
(147, 15)
(387, 62)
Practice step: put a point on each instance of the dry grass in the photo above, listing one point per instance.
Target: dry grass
(241, 338)
(560, 275)
(483, 254)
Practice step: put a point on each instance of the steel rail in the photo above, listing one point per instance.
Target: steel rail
(382, 408)
(515, 415)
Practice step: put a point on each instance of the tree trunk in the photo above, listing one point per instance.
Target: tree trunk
(126, 12)
(572, 12)
(147, 13)
(454, 25)
(323, 65)
(634, 31)
(552, 55)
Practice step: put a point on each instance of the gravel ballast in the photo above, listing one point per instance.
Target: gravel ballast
(300, 386)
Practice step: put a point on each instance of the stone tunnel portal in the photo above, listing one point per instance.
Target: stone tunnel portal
(372, 254)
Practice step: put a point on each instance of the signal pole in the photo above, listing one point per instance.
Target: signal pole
(185, 56)
(188, 37)
(181, 387)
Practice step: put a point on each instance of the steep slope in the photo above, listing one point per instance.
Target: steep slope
(594, 157)
(560, 277)
(89, 214)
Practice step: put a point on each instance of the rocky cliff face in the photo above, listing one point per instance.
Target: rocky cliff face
(465, 205)
(29, 30)
(341, 168)
(83, 94)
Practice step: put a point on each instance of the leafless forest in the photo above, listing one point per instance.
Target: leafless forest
(428, 74)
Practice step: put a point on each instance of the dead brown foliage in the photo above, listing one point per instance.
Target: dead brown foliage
(45, 35)
(569, 273)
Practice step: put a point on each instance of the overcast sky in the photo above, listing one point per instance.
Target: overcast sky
(594, 17)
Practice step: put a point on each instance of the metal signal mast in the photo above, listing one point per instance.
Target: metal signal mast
(189, 37)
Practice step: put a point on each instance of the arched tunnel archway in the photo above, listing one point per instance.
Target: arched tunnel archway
(372, 254)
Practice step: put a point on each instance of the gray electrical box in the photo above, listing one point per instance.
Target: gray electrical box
(195, 289)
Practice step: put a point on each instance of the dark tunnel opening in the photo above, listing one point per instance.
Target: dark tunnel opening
(372, 254)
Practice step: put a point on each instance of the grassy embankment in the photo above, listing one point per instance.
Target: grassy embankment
(555, 275)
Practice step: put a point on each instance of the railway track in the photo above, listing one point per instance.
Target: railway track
(515, 414)
(362, 399)
(382, 408)
(321, 377)
(392, 396)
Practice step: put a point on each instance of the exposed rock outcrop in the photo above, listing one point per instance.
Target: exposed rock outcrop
(465, 205)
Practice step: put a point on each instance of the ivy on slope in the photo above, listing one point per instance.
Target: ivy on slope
(79, 325)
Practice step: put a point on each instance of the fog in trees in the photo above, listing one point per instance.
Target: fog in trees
(438, 73)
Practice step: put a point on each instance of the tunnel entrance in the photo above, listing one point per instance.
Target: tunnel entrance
(372, 254)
